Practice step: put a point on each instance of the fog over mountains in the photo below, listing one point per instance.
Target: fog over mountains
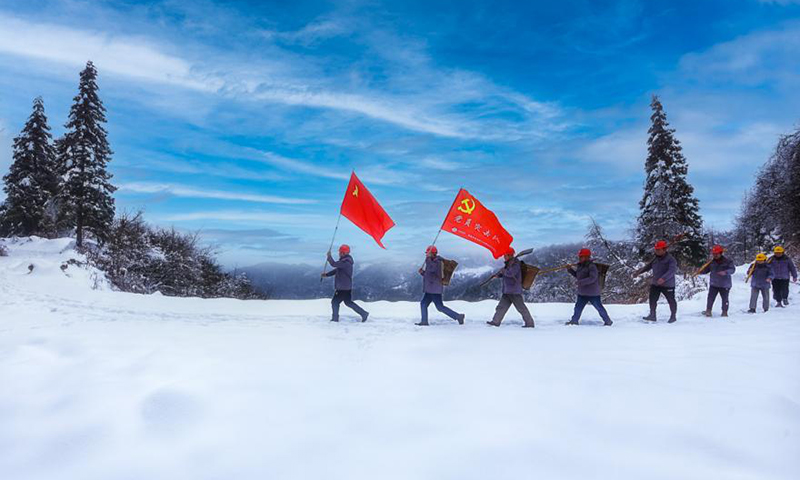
(400, 281)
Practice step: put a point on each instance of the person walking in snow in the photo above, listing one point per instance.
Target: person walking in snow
(760, 279)
(664, 267)
(783, 268)
(433, 287)
(588, 278)
(720, 269)
(343, 283)
(511, 273)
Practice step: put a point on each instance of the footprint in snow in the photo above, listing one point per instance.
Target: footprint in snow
(169, 411)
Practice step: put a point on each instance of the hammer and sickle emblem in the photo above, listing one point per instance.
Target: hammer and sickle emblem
(467, 206)
(355, 192)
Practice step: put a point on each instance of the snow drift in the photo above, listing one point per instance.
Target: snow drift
(105, 385)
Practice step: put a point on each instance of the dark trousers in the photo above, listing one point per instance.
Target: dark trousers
(345, 296)
(780, 289)
(712, 297)
(436, 298)
(754, 292)
(580, 304)
(506, 301)
(669, 293)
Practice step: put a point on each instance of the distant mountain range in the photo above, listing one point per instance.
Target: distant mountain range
(401, 281)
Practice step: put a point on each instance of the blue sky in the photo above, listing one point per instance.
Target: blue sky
(243, 119)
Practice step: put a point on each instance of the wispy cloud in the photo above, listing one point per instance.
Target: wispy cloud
(247, 217)
(767, 57)
(312, 33)
(300, 166)
(430, 100)
(192, 192)
(131, 57)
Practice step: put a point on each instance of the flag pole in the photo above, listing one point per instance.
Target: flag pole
(445, 215)
(443, 221)
(325, 265)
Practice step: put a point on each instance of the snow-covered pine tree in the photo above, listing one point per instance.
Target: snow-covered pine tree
(83, 155)
(668, 206)
(787, 192)
(770, 211)
(31, 181)
(621, 258)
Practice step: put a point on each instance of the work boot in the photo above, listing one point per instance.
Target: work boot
(528, 325)
(785, 302)
(724, 313)
(461, 318)
(779, 305)
(672, 319)
(752, 310)
(651, 317)
(422, 324)
(334, 319)
(572, 322)
(707, 313)
(493, 324)
(607, 323)
(364, 318)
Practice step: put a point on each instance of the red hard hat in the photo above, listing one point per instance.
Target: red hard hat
(344, 249)
(717, 249)
(510, 251)
(432, 249)
(585, 252)
(661, 245)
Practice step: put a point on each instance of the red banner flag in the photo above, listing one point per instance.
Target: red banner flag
(469, 219)
(361, 208)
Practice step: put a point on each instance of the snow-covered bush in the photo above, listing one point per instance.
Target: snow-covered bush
(139, 258)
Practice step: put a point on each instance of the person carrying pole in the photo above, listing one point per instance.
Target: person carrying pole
(720, 268)
(588, 277)
(511, 273)
(664, 268)
(760, 275)
(433, 287)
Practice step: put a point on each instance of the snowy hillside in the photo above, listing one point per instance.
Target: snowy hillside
(105, 385)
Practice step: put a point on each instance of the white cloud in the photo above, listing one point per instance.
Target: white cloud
(248, 217)
(130, 57)
(373, 173)
(438, 163)
(758, 58)
(302, 167)
(623, 149)
(313, 32)
(423, 99)
(191, 192)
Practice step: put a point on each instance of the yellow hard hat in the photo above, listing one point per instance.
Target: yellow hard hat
(778, 249)
(761, 257)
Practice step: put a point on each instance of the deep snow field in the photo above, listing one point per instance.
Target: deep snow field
(97, 384)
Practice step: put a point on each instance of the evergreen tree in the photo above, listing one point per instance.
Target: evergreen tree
(31, 181)
(668, 206)
(83, 156)
(770, 213)
(787, 192)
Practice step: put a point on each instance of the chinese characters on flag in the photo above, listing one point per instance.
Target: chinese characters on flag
(361, 208)
(469, 219)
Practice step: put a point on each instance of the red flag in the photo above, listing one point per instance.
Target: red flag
(361, 208)
(469, 219)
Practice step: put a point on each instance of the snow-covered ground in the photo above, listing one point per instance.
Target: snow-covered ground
(104, 385)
